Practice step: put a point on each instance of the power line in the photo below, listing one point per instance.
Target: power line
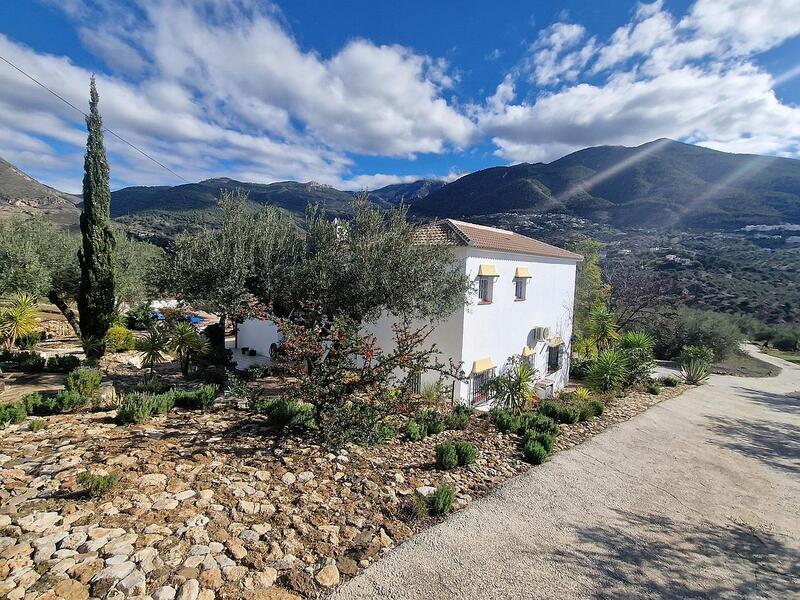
(71, 105)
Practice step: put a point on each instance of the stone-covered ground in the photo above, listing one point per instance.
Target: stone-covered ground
(218, 505)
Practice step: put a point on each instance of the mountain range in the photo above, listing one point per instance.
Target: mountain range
(661, 184)
(21, 194)
(658, 185)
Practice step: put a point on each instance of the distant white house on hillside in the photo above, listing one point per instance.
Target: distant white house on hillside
(523, 307)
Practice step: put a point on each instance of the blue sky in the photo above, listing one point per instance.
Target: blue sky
(359, 93)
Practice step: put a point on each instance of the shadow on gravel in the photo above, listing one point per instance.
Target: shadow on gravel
(649, 555)
(789, 403)
(773, 443)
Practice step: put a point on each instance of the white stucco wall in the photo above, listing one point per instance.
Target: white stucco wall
(501, 329)
(498, 330)
(258, 334)
(447, 337)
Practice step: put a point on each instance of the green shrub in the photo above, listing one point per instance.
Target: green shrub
(466, 452)
(535, 421)
(584, 411)
(63, 363)
(506, 420)
(597, 407)
(670, 381)
(559, 412)
(138, 408)
(29, 341)
(284, 412)
(67, 400)
(534, 452)
(36, 404)
(459, 418)
(695, 353)
(579, 367)
(786, 341)
(431, 420)
(96, 485)
(546, 440)
(140, 317)
(153, 386)
(120, 339)
(640, 365)
(201, 399)
(441, 501)
(691, 327)
(86, 382)
(695, 372)
(446, 456)
(609, 371)
(413, 431)
(653, 389)
(12, 413)
(35, 425)
(30, 362)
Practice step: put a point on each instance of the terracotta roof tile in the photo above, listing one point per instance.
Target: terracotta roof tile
(459, 233)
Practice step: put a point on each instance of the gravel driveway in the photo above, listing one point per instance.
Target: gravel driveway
(699, 497)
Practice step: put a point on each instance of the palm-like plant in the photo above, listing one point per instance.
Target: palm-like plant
(18, 319)
(609, 371)
(513, 388)
(602, 327)
(636, 340)
(184, 343)
(153, 346)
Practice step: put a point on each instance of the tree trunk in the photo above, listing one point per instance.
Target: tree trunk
(222, 327)
(68, 313)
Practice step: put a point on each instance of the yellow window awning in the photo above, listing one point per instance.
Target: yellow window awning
(522, 273)
(527, 351)
(487, 271)
(555, 341)
(483, 364)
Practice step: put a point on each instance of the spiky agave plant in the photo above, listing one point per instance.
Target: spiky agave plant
(582, 394)
(695, 372)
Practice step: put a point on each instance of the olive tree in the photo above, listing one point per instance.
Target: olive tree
(212, 269)
(40, 258)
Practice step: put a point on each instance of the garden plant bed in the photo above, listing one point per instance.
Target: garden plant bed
(219, 505)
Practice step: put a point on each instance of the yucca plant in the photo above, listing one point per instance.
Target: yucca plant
(695, 372)
(608, 371)
(636, 340)
(185, 342)
(513, 388)
(602, 327)
(18, 319)
(153, 346)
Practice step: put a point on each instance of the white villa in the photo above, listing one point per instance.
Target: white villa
(523, 307)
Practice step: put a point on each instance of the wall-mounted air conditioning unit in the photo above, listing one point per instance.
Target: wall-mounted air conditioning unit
(540, 334)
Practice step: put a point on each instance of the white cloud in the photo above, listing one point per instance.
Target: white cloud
(692, 79)
(555, 56)
(210, 87)
(745, 26)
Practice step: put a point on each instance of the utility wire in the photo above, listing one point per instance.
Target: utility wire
(71, 105)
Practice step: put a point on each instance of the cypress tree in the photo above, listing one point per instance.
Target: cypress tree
(96, 256)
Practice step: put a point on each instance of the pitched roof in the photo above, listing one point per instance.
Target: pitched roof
(459, 233)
